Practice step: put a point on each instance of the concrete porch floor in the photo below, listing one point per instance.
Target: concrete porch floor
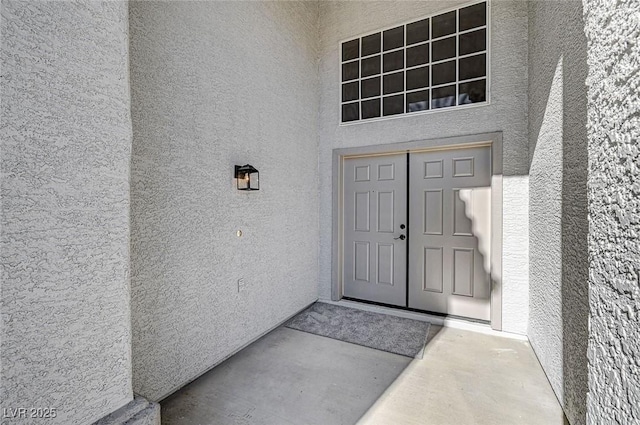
(292, 377)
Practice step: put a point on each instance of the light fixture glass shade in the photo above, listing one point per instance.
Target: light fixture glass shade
(247, 177)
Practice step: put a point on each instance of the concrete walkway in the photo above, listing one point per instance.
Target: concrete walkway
(469, 378)
(292, 377)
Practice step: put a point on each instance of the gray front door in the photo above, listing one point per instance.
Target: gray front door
(450, 232)
(375, 209)
(447, 237)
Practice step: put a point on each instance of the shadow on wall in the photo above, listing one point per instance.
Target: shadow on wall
(575, 229)
(570, 246)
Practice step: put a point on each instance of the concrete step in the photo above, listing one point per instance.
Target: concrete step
(139, 411)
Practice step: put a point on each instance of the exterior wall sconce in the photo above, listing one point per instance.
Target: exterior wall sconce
(247, 177)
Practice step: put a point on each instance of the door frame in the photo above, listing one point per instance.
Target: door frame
(494, 140)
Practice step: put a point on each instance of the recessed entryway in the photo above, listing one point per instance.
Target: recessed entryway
(419, 226)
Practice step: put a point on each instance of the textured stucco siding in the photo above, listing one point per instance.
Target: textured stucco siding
(216, 84)
(558, 320)
(66, 144)
(507, 113)
(613, 34)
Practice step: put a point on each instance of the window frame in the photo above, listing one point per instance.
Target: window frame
(404, 24)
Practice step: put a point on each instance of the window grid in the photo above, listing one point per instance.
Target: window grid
(420, 43)
(457, 98)
(380, 103)
(431, 61)
(430, 86)
(404, 98)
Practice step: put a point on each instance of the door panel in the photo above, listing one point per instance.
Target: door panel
(432, 269)
(361, 265)
(450, 234)
(375, 203)
(432, 218)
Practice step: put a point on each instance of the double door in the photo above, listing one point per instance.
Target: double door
(417, 230)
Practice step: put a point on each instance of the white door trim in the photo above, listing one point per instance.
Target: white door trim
(484, 139)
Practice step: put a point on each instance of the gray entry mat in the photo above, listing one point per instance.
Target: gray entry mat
(398, 335)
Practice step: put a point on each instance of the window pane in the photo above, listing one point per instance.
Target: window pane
(473, 67)
(392, 71)
(444, 73)
(371, 108)
(393, 38)
(350, 49)
(444, 49)
(444, 24)
(350, 91)
(393, 83)
(393, 105)
(473, 16)
(371, 66)
(393, 61)
(350, 71)
(473, 41)
(418, 31)
(418, 78)
(418, 101)
(350, 112)
(370, 87)
(418, 55)
(443, 97)
(472, 92)
(371, 44)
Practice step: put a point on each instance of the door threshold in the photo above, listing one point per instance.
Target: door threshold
(435, 319)
(415, 310)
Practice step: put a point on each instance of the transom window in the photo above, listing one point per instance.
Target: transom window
(436, 62)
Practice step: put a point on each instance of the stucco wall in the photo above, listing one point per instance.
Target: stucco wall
(507, 113)
(613, 31)
(558, 320)
(216, 84)
(66, 143)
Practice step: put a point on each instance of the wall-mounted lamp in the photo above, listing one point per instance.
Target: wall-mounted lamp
(247, 177)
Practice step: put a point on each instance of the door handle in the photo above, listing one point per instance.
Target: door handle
(401, 237)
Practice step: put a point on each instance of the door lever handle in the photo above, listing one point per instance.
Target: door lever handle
(401, 237)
